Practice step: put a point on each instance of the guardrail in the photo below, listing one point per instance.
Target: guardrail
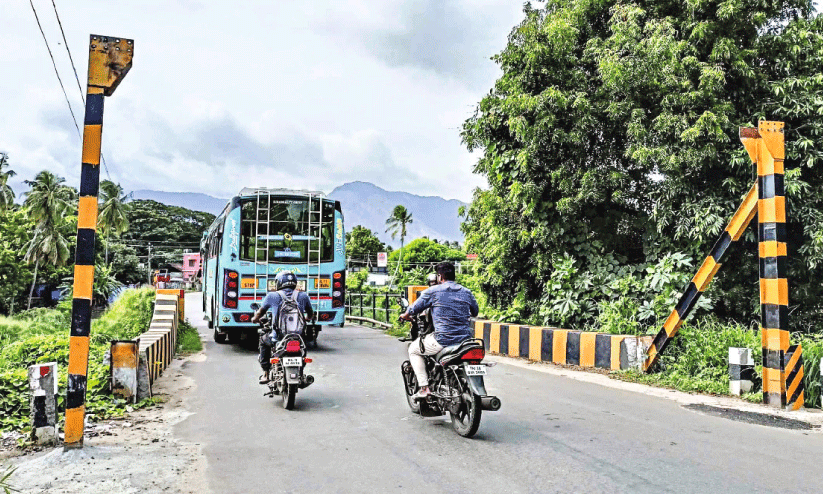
(137, 364)
(377, 308)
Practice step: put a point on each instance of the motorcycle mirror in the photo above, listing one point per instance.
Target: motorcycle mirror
(260, 331)
(403, 302)
(255, 306)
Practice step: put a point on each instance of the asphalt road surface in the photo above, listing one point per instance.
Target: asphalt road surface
(352, 431)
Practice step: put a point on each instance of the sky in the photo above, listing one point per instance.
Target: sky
(224, 95)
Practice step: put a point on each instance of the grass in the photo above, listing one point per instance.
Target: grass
(188, 339)
(42, 335)
(5, 484)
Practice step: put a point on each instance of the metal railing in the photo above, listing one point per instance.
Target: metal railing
(381, 307)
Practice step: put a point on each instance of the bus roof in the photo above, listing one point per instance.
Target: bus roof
(251, 192)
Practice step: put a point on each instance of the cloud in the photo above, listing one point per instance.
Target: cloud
(452, 39)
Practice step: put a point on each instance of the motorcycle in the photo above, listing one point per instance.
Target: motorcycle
(288, 361)
(455, 380)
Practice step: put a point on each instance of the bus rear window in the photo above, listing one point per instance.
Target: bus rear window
(280, 232)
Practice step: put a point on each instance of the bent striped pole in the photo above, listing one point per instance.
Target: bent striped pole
(741, 219)
(109, 61)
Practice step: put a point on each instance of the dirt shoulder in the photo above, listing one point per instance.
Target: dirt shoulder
(138, 454)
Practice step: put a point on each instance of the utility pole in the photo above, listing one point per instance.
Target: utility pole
(149, 263)
(109, 62)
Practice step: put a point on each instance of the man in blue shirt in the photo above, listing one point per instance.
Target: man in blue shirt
(285, 283)
(452, 306)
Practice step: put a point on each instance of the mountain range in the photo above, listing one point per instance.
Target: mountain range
(363, 204)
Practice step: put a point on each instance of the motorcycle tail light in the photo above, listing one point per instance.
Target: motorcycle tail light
(307, 360)
(274, 360)
(293, 346)
(474, 354)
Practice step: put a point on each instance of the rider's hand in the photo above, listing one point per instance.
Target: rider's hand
(406, 316)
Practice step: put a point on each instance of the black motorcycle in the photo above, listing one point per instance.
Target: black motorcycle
(288, 362)
(455, 380)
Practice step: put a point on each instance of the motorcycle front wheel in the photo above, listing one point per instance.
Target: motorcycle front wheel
(410, 385)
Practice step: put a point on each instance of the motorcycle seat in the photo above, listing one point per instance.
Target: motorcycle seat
(457, 349)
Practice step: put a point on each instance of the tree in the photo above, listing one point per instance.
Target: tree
(15, 276)
(362, 243)
(611, 137)
(396, 225)
(47, 203)
(112, 218)
(6, 194)
(423, 250)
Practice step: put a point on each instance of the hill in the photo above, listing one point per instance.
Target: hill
(363, 204)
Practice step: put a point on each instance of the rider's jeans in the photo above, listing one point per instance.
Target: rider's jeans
(267, 341)
(431, 347)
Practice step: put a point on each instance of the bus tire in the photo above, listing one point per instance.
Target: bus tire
(219, 337)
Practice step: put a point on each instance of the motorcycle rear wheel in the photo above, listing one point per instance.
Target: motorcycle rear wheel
(288, 392)
(466, 421)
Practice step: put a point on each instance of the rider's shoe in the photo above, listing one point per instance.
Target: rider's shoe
(422, 394)
(264, 379)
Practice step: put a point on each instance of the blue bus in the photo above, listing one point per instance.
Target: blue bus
(260, 233)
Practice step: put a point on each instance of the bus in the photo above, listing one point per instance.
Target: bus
(260, 233)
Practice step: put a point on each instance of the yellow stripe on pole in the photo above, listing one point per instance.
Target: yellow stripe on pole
(774, 291)
(87, 213)
(771, 248)
(83, 281)
(772, 210)
(91, 144)
(79, 347)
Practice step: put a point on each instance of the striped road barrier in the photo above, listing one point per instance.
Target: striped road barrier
(181, 300)
(554, 345)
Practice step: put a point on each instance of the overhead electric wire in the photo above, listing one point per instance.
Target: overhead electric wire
(74, 119)
(76, 77)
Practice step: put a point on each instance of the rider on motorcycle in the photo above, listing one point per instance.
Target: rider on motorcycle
(285, 284)
(452, 306)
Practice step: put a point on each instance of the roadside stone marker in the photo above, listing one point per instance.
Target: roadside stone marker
(741, 371)
(43, 403)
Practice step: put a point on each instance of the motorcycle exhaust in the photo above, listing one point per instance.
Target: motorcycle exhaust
(490, 403)
(307, 382)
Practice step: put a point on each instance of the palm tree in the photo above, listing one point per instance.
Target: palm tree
(6, 194)
(112, 218)
(396, 225)
(48, 201)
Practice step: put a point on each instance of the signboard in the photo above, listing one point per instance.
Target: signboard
(382, 259)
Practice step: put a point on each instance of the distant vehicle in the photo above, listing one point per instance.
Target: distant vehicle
(260, 233)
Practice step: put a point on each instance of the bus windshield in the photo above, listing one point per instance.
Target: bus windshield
(283, 226)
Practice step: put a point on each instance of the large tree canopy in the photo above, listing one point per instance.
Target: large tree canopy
(612, 138)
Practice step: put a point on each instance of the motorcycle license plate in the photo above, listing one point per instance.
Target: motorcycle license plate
(475, 370)
(292, 361)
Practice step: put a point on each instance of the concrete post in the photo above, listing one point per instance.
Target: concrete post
(43, 386)
(741, 371)
(124, 361)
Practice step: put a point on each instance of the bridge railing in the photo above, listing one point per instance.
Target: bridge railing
(380, 307)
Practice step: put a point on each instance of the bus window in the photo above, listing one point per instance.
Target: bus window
(286, 230)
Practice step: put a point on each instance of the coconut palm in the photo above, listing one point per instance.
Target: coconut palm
(6, 194)
(112, 218)
(396, 225)
(48, 201)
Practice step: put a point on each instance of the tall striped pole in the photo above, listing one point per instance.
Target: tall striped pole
(109, 61)
(765, 146)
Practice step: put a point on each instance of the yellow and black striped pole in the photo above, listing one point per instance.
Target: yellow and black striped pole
(109, 61)
(765, 146)
(741, 219)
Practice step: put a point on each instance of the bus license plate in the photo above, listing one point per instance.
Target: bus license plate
(323, 283)
(293, 361)
(475, 370)
(248, 283)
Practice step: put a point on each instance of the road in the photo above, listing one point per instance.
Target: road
(352, 431)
